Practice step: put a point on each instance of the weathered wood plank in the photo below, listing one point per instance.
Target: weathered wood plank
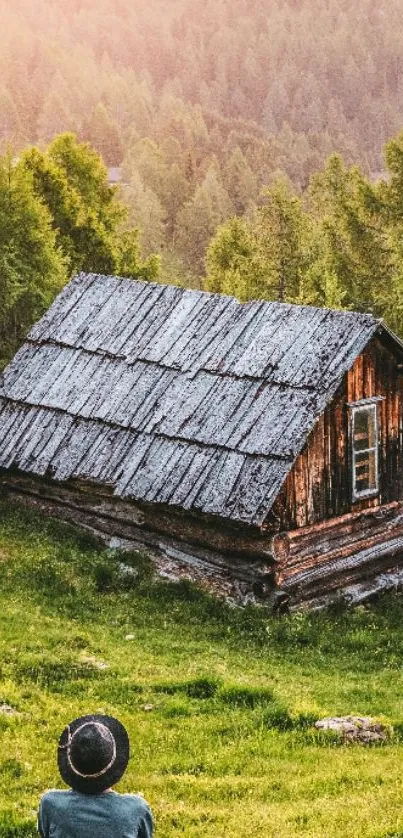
(246, 548)
(344, 570)
(69, 329)
(321, 537)
(149, 320)
(222, 440)
(228, 335)
(61, 307)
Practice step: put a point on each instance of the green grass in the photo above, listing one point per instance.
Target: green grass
(219, 702)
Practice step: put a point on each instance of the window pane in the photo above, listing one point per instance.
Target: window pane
(365, 471)
(364, 428)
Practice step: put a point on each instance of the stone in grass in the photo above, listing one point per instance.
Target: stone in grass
(127, 573)
(90, 660)
(355, 728)
(6, 710)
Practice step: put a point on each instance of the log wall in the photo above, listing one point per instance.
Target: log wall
(319, 486)
(227, 559)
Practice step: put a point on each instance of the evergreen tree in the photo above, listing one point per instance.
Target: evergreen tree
(199, 218)
(280, 229)
(174, 192)
(263, 257)
(10, 123)
(87, 216)
(352, 251)
(240, 182)
(391, 212)
(147, 214)
(234, 262)
(32, 268)
(55, 116)
(102, 132)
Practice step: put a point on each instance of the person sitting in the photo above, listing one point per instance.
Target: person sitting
(93, 753)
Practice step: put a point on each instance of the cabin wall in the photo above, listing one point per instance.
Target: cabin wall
(227, 558)
(319, 486)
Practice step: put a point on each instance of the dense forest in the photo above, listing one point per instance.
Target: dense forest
(298, 78)
(203, 102)
(221, 121)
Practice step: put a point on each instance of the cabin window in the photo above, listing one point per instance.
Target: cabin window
(364, 426)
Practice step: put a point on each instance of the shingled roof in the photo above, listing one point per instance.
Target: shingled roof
(173, 396)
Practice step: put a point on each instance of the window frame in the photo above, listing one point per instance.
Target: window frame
(370, 405)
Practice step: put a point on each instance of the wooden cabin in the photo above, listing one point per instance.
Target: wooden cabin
(256, 448)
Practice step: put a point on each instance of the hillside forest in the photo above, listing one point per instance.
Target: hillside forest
(256, 151)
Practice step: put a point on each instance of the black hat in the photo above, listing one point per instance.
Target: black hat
(93, 753)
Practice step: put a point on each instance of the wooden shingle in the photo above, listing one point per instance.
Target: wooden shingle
(173, 396)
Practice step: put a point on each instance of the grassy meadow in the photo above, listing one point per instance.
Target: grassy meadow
(218, 702)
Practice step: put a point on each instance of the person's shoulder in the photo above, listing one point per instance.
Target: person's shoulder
(54, 797)
(135, 801)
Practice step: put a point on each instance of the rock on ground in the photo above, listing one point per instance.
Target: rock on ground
(355, 728)
(6, 710)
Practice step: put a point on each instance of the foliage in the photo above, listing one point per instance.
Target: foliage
(71, 180)
(32, 267)
(152, 88)
(340, 246)
(349, 259)
(313, 76)
(233, 261)
(261, 256)
(102, 132)
(219, 702)
(58, 215)
(200, 217)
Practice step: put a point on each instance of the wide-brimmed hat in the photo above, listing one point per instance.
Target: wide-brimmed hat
(93, 753)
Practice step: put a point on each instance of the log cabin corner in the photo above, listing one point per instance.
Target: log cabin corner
(255, 448)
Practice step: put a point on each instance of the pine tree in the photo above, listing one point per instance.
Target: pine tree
(240, 182)
(147, 214)
(234, 263)
(55, 116)
(280, 229)
(391, 210)
(32, 268)
(262, 257)
(103, 134)
(353, 249)
(87, 216)
(199, 218)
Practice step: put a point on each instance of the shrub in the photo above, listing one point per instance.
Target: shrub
(122, 571)
(12, 828)
(136, 560)
(244, 696)
(398, 731)
(177, 710)
(104, 577)
(279, 718)
(53, 673)
(202, 688)
(305, 720)
(12, 767)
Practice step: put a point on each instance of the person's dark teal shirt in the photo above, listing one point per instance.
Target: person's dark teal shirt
(70, 814)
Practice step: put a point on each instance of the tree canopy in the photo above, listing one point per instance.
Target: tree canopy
(58, 215)
(339, 246)
(168, 91)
